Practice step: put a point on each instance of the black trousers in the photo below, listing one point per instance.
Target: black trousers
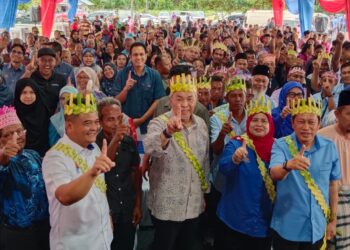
(33, 238)
(124, 233)
(280, 243)
(233, 240)
(173, 235)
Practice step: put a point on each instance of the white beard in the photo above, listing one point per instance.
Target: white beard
(258, 95)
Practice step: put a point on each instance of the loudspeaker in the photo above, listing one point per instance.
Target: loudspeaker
(35, 15)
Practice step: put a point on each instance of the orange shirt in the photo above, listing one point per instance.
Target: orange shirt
(343, 146)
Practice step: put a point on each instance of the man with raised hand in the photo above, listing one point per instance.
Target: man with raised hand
(306, 168)
(73, 172)
(178, 143)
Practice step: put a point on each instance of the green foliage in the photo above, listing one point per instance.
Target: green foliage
(222, 5)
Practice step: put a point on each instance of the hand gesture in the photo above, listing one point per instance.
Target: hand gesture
(227, 127)
(102, 163)
(286, 110)
(12, 148)
(149, 47)
(122, 130)
(129, 82)
(299, 162)
(175, 124)
(241, 154)
(316, 63)
(340, 38)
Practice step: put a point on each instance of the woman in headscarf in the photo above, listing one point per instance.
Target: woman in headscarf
(245, 207)
(89, 60)
(281, 115)
(108, 82)
(56, 126)
(88, 83)
(33, 114)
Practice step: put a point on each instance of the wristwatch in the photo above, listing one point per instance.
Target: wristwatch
(285, 166)
(166, 134)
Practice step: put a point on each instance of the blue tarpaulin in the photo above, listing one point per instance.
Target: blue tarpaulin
(73, 7)
(305, 9)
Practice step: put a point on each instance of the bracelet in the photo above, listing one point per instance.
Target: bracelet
(333, 216)
(166, 134)
(285, 167)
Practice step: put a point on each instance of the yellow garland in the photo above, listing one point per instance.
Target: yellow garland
(270, 187)
(314, 189)
(222, 117)
(180, 140)
(80, 163)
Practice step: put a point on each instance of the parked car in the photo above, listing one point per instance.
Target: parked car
(196, 15)
(143, 17)
(63, 16)
(164, 16)
(105, 13)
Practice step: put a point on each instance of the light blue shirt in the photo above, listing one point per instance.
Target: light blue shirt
(325, 110)
(296, 215)
(12, 75)
(215, 127)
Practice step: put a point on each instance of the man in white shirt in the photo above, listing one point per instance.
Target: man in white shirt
(79, 212)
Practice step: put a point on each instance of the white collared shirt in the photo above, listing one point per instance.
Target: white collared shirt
(85, 224)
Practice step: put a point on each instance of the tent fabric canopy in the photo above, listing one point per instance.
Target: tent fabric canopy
(278, 6)
(336, 6)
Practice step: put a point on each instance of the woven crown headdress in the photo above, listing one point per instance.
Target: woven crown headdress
(306, 106)
(219, 45)
(183, 83)
(204, 83)
(77, 104)
(190, 43)
(235, 83)
(259, 106)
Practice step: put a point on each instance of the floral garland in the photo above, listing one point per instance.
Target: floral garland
(80, 163)
(314, 189)
(270, 187)
(180, 140)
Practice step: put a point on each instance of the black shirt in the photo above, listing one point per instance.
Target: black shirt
(120, 185)
(50, 89)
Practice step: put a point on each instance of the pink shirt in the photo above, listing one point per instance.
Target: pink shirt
(343, 146)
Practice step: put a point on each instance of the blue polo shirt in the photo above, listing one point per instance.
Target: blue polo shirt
(148, 88)
(12, 75)
(245, 205)
(215, 127)
(66, 70)
(296, 214)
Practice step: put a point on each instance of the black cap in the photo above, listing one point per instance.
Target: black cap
(261, 70)
(344, 98)
(241, 56)
(46, 52)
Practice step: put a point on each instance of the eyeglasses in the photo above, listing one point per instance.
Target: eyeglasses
(293, 95)
(20, 132)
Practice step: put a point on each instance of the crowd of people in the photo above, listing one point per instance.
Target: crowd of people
(236, 136)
